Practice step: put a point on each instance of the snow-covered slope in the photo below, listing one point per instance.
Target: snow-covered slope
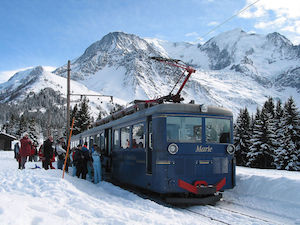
(234, 69)
(38, 196)
(36, 79)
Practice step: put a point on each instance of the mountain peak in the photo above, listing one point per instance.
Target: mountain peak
(20, 81)
(278, 39)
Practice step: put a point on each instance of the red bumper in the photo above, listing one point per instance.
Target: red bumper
(201, 187)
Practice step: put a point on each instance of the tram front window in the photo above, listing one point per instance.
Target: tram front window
(217, 130)
(184, 129)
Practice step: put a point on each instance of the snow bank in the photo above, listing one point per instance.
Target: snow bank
(37, 196)
(271, 191)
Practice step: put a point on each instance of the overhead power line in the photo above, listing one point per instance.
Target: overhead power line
(230, 18)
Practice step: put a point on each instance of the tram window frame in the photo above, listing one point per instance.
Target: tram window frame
(91, 142)
(139, 140)
(116, 142)
(125, 139)
(97, 139)
(220, 137)
(180, 124)
(150, 135)
(102, 141)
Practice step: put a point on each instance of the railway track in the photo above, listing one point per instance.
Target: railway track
(228, 216)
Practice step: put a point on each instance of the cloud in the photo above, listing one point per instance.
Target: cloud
(213, 23)
(275, 15)
(192, 34)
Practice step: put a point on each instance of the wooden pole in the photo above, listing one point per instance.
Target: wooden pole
(67, 154)
(68, 99)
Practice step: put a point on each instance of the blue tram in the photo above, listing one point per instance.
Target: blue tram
(183, 152)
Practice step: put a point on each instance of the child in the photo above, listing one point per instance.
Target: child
(97, 164)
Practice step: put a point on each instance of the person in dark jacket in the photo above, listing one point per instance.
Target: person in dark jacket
(48, 151)
(81, 158)
(25, 149)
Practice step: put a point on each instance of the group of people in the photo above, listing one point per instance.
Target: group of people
(84, 161)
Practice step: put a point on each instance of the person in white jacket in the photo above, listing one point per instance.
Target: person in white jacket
(96, 163)
(61, 152)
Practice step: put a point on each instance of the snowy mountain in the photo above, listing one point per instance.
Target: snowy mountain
(119, 65)
(234, 69)
(33, 81)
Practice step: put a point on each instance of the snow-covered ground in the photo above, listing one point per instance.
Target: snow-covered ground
(37, 196)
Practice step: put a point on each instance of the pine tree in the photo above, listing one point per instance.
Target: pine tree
(33, 130)
(83, 117)
(279, 134)
(242, 137)
(74, 114)
(291, 130)
(22, 126)
(268, 137)
(255, 156)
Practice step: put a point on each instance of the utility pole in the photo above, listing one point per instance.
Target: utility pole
(68, 99)
(69, 95)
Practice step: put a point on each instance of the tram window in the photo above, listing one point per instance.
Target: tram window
(91, 143)
(102, 141)
(217, 130)
(138, 136)
(116, 139)
(184, 129)
(125, 135)
(97, 139)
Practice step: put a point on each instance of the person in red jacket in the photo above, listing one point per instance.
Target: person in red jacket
(25, 149)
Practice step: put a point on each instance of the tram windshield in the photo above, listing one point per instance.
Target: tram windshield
(184, 129)
(217, 130)
(189, 129)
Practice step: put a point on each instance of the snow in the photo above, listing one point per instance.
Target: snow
(46, 79)
(37, 196)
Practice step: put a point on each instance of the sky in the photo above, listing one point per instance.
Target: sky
(50, 32)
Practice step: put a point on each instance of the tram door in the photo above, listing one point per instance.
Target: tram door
(149, 147)
(108, 147)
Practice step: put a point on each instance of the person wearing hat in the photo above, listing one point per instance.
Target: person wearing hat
(25, 149)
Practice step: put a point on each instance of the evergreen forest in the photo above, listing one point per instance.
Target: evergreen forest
(270, 139)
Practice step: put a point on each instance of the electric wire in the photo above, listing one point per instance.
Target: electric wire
(230, 18)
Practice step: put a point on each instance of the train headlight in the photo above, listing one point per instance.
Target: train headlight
(230, 149)
(173, 149)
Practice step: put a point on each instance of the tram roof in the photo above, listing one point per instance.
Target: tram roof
(163, 108)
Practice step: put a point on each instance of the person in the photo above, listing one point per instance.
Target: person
(32, 152)
(134, 144)
(41, 155)
(73, 162)
(89, 162)
(16, 149)
(17, 153)
(97, 164)
(65, 147)
(48, 152)
(25, 149)
(61, 152)
(81, 157)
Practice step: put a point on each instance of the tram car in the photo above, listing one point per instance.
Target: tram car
(183, 152)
